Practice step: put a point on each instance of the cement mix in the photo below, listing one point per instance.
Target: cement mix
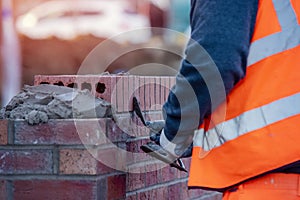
(38, 104)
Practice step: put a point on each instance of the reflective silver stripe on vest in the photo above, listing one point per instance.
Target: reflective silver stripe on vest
(287, 38)
(285, 13)
(248, 121)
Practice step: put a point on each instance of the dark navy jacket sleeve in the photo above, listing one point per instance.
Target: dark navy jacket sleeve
(224, 29)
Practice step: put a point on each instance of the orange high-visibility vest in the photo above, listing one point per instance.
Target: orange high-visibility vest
(261, 128)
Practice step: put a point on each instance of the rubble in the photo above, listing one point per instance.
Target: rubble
(38, 104)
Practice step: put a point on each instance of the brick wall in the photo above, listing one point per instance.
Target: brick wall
(92, 158)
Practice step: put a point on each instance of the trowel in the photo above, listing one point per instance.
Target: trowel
(152, 148)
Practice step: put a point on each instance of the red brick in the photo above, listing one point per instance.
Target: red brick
(77, 161)
(135, 181)
(38, 134)
(3, 193)
(82, 161)
(23, 161)
(3, 132)
(168, 173)
(65, 132)
(116, 187)
(55, 189)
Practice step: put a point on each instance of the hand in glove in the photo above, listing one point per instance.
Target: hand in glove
(156, 129)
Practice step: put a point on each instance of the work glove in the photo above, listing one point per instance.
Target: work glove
(156, 129)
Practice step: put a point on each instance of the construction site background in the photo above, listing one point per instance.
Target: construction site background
(56, 56)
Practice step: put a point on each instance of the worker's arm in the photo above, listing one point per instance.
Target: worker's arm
(224, 30)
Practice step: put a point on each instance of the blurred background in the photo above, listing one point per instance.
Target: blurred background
(54, 37)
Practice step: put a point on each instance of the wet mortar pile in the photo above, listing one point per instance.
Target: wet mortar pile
(38, 104)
